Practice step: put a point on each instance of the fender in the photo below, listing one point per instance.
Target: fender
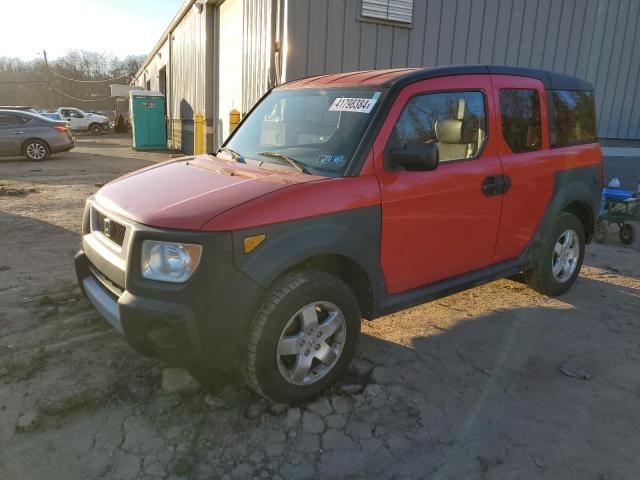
(577, 185)
(354, 234)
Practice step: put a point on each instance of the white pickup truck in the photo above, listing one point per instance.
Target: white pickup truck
(79, 120)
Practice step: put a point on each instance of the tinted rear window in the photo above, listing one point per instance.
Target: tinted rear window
(574, 119)
(521, 127)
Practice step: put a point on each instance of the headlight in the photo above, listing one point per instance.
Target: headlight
(169, 262)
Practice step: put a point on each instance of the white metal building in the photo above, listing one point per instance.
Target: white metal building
(218, 55)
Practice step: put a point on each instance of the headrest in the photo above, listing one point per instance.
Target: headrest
(455, 131)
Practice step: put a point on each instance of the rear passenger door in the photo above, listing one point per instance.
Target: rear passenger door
(523, 145)
(11, 133)
(441, 223)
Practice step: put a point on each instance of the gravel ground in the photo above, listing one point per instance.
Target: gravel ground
(497, 382)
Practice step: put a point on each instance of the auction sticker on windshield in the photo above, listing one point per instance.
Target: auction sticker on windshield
(361, 105)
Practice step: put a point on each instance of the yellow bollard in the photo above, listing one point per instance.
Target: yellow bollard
(198, 134)
(234, 119)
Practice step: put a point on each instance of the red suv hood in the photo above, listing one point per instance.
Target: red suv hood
(187, 192)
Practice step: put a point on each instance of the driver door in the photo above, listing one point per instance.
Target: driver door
(77, 119)
(441, 223)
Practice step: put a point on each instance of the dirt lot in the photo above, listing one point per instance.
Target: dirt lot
(495, 382)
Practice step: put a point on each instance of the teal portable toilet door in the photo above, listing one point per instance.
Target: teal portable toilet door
(148, 120)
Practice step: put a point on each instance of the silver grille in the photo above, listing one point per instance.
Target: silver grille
(110, 228)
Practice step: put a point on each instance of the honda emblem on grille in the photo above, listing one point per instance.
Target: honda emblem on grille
(106, 227)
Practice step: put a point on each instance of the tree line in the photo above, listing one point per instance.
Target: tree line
(78, 79)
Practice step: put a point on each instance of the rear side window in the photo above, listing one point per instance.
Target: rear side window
(521, 126)
(574, 118)
(455, 121)
(12, 120)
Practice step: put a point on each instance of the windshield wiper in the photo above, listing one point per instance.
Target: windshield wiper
(295, 163)
(235, 155)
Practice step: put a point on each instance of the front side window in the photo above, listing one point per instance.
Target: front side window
(455, 121)
(574, 118)
(75, 114)
(319, 128)
(521, 125)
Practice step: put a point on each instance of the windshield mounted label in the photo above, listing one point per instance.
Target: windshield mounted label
(333, 160)
(360, 105)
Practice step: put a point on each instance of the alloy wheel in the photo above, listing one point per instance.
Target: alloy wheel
(311, 343)
(566, 254)
(36, 151)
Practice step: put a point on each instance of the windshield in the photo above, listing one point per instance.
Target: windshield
(319, 129)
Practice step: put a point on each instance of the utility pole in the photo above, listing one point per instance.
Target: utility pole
(46, 64)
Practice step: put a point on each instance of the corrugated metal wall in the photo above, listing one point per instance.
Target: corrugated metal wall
(256, 61)
(597, 40)
(187, 88)
(152, 71)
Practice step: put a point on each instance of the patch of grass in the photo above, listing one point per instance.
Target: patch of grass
(6, 191)
(47, 300)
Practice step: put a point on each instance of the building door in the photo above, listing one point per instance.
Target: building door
(441, 223)
(230, 64)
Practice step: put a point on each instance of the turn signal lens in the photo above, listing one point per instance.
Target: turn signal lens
(251, 243)
(62, 129)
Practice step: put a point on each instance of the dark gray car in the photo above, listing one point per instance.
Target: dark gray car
(32, 135)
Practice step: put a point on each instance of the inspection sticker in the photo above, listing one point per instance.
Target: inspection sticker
(361, 105)
(333, 160)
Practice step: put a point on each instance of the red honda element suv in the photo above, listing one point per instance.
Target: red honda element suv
(341, 197)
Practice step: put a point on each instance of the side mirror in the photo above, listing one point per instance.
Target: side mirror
(415, 157)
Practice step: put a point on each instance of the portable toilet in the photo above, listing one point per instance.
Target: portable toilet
(147, 120)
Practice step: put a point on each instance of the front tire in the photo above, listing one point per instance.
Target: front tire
(303, 337)
(36, 150)
(95, 129)
(560, 258)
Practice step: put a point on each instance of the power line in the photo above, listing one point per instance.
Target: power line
(19, 70)
(79, 99)
(21, 81)
(87, 81)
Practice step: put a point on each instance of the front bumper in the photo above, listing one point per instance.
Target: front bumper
(203, 320)
(156, 328)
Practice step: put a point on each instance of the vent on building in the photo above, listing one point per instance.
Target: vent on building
(390, 10)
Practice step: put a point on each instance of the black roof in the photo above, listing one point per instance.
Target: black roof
(551, 80)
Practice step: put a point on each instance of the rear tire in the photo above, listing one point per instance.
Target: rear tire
(303, 337)
(627, 233)
(36, 150)
(560, 257)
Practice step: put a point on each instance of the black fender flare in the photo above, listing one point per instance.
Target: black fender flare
(354, 234)
(576, 186)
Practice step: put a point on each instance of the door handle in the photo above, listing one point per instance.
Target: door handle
(495, 185)
(18, 132)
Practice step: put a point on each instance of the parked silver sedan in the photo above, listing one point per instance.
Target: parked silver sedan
(32, 135)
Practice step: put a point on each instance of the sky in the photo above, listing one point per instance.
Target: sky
(119, 27)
